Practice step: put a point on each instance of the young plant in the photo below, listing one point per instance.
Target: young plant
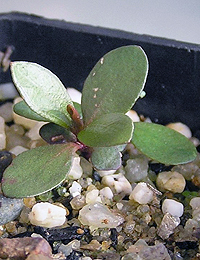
(97, 129)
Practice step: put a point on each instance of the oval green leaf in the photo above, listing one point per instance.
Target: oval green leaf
(53, 134)
(107, 158)
(42, 91)
(107, 130)
(115, 83)
(22, 109)
(163, 144)
(38, 170)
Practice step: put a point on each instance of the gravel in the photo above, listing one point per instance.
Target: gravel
(144, 210)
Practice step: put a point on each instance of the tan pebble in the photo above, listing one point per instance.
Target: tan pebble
(133, 115)
(80, 231)
(181, 128)
(106, 245)
(6, 111)
(171, 181)
(78, 202)
(29, 202)
(93, 246)
(17, 129)
(11, 227)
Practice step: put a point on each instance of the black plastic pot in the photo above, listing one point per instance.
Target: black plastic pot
(71, 50)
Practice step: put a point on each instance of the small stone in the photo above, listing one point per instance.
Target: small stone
(141, 193)
(171, 181)
(9, 209)
(76, 169)
(158, 252)
(191, 225)
(118, 183)
(13, 139)
(92, 196)
(94, 245)
(6, 111)
(2, 134)
(18, 149)
(106, 192)
(20, 120)
(187, 170)
(172, 207)
(67, 249)
(105, 173)
(33, 133)
(97, 215)
(47, 215)
(75, 189)
(133, 115)
(8, 91)
(20, 248)
(29, 202)
(195, 203)
(36, 143)
(181, 128)
(17, 129)
(136, 169)
(167, 226)
(78, 202)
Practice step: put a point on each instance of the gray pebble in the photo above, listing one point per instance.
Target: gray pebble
(9, 209)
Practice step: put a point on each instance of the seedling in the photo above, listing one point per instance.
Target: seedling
(97, 129)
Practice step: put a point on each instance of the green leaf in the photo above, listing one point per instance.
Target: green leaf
(163, 144)
(42, 91)
(115, 83)
(53, 133)
(107, 158)
(38, 170)
(107, 130)
(22, 109)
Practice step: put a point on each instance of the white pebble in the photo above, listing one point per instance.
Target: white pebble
(6, 111)
(92, 196)
(133, 115)
(141, 193)
(171, 181)
(195, 203)
(172, 207)
(20, 120)
(106, 192)
(97, 215)
(2, 134)
(33, 133)
(17, 150)
(117, 182)
(74, 94)
(76, 170)
(120, 206)
(75, 189)
(47, 215)
(105, 173)
(181, 128)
